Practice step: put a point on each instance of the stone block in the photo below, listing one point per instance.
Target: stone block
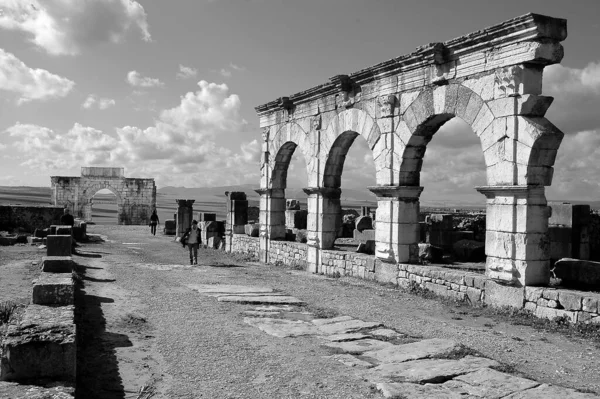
(367, 247)
(570, 300)
(578, 273)
(58, 245)
(532, 294)
(252, 230)
(365, 235)
(498, 295)
(551, 314)
(63, 230)
(296, 219)
(170, 227)
(474, 295)
(590, 304)
(207, 217)
(214, 242)
(363, 223)
(57, 264)
(53, 289)
(41, 345)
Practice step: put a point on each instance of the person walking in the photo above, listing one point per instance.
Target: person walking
(153, 222)
(192, 238)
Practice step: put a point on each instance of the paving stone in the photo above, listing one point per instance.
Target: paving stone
(282, 328)
(546, 391)
(360, 346)
(284, 299)
(228, 289)
(257, 313)
(417, 391)
(274, 308)
(345, 337)
(347, 326)
(430, 370)
(322, 322)
(386, 333)
(426, 348)
(488, 383)
(350, 361)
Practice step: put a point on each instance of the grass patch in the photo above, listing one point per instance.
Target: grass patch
(320, 312)
(7, 308)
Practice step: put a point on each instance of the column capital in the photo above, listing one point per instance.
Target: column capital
(403, 192)
(185, 202)
(327, 192)
(270, 192)
(524, 191)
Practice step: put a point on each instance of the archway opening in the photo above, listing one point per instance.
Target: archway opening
(452, 212)
(104, 207)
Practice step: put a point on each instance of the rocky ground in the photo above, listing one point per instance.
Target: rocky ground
(151, 326)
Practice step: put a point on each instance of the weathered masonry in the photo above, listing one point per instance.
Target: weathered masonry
(491, 79)
(136, 198)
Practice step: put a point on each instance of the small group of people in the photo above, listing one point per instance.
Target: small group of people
(191, 238)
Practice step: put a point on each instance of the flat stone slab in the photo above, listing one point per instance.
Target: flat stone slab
(57, 264)
(53, 289)
(546, 391)
(322, 322)
(489, 383)
(350, 361)
(386, 333)
(360, 346)
(14, 390)
(430, 370)
(257, 313)
(273, 299)
(424, 349)
(418, 391)
(345, 337)
(274, 308)
(228, 289)
(347, 326)
(281, 327)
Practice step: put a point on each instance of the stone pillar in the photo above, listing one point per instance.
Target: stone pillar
(185, 212)
(516, 239)
(237, 216)
(272, 219)
(324, 218)
(397, 229)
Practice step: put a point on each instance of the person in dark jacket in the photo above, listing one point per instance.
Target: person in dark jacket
(192, 239)
(67, 219)
(153, 222)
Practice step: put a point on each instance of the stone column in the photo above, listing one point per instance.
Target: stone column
(516, 239)
(185, 212)
(324, 215)
(397, 230)
(271, 219)
(237, 216)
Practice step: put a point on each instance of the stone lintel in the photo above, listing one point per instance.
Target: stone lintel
(516, 191)
(185, 203)
(527, 28)
(398, 192)
(327, 192)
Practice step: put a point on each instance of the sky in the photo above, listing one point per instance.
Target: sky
(167, 89)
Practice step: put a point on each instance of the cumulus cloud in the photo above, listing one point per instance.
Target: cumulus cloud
(93, 101)
(186, 72)
(136, 79)
(66, 26)
(29, 83)
(228, 71)
(180, 146)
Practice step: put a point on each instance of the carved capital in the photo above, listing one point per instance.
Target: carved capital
(327, 192)
(387, 105)
(408, 193)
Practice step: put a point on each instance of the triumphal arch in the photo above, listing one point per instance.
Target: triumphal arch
(491, 79)
(136, 198)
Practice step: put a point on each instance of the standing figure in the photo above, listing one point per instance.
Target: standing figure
(67, 219)
(192, 237)
(153, 222)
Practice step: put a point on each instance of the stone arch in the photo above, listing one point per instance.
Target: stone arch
(283, 145)
(337, 139)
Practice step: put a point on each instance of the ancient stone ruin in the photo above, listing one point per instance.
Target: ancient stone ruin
(135, 197)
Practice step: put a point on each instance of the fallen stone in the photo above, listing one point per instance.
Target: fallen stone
(350, 361)
(57, 264)
(361, 346)
(578, 273)
(424, 349)
(546, 391)
(283, 299)
(348, 326)
(53, 289)
(430, 370)
(345, 337)
(41, 345)
(281, 327)
(489, 383)
(417, 391)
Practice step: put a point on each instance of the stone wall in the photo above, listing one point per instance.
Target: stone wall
(28, 218)
(241, 243)
(288, 252)
(576, 306)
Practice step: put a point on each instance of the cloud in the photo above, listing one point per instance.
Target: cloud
(180, 146)
(64, 27)
(186, 72)
(135, 79)
(228, 71)
(100, 102)
(30, 84)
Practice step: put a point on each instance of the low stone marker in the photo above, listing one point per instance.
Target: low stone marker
(59, 245)
(57, 264)
(170, 227)
(41, 345)
(578, 273)
(53, 289)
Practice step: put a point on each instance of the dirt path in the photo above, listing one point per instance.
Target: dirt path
(144, 326)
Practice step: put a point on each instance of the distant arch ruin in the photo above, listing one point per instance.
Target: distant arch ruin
(136, 198)
(491, 79)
